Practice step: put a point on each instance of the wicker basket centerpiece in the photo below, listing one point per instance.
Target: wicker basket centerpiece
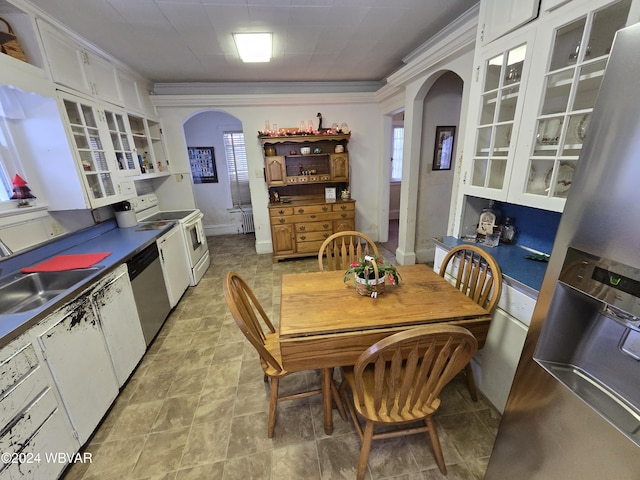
(369, 275)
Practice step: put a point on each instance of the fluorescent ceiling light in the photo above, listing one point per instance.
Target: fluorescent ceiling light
(253, 47)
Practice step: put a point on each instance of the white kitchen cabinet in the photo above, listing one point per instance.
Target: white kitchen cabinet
(32, 423)
(116, 309)
(495, 364)
(122, 142)
(495, 110)
(95, 166)
(529, 121)
(566, 78)
(73, 345)
(499, 17)
(76, 67)
(174, 261)
(149, 145)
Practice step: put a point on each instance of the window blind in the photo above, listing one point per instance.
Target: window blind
(236, 156)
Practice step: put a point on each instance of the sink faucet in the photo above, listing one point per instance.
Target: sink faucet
(5, 251)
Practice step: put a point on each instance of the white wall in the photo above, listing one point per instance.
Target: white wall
(206, 129)
(359, 110)
(442, 106)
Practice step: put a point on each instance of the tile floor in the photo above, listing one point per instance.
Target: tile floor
(196, 407)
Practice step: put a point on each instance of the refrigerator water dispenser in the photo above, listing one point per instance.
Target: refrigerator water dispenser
(590, 341)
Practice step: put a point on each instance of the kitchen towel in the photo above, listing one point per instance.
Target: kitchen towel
(66, 262)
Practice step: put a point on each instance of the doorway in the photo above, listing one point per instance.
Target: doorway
(395, 186)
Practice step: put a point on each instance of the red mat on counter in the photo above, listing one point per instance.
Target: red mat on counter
(67, 262)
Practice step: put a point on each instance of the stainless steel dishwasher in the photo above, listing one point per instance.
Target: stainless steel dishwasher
(149, 290)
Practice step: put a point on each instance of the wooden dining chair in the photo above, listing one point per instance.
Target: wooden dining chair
(342, 248)
(398, 380)
(479, 277)
(258, 329)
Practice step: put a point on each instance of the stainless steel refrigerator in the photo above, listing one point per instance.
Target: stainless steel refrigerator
(574, 407)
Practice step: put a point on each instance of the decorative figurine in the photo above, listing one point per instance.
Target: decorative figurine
(21, 192)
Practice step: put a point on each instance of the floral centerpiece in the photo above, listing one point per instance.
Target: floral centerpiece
(369, 275)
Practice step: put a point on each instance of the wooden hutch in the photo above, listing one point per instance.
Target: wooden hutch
(298, 169)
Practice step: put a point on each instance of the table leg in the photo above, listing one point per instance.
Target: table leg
(327, 403)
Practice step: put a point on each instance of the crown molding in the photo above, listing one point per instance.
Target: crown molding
(457, 37)
(277, 100)
(267, 88)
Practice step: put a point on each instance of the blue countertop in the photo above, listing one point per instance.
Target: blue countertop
(519, 271)
(123, 243)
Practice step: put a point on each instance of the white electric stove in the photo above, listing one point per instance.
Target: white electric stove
(190, 221)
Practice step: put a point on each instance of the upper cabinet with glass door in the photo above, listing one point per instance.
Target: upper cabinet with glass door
(499, 80)
(572, 78)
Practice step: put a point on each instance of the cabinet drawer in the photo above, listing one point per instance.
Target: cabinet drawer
(318, 217)
(21, 395)
(314, 226)
(17, 366)
(28, 422)
(276, 212)
(282, 220)
(307, 209)
(344, 207)
(312, 237)
(309, 247)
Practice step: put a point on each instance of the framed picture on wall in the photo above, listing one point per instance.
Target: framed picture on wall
(203, 164)
(443, 148)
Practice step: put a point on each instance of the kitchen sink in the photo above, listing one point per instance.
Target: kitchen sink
(24, 292)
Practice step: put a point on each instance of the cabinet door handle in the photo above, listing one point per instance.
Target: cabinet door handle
(281, 212)
(282, 220)
(301, 210)
(326, 235)
(302, 228)
(313, 216)
(344, 215)
(303, 237)
(343, 207)
(326, 225)
(324, 209)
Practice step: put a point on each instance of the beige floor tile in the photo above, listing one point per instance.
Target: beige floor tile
(196, 406)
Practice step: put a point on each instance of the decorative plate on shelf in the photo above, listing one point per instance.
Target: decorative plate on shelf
(563, 179)
(583, 124)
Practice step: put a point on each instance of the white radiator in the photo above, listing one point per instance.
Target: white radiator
(247, 220)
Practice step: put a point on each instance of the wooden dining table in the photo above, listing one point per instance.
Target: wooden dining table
(325, 324)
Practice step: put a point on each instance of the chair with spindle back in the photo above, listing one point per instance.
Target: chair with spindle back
(398, 380)
(479, 277)
(258, 329)
(342, 248)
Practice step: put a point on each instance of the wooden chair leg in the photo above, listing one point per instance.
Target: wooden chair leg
(365, 450)
(273, 405)
(336, 398)
(471, 383)
(435, 443)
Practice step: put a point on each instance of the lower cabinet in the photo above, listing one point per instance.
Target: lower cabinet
(58, 379)
(115, 307)
(36, 438)
(299, 229)
(494, 365)
(73, 345)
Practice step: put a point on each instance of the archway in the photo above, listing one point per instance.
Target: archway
(435, 101)
(218, 200)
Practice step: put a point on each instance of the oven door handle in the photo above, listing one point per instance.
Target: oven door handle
(196, 223)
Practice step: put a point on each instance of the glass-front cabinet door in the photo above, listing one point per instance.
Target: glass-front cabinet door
(122, 143)
(499, 82)
(100, 181)
(572, 78)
